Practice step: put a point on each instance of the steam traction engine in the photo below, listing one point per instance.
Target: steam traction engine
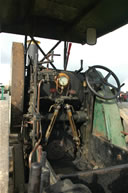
(59, 134)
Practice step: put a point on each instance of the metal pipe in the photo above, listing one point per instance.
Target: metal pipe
(43, 158)
(38, 103)
(35, 147)
(42, 52)
(51, 50)
(25, 49)
(45, 179)
(50, 54)
(38, 97)
(35, 80)
(32, 50)
(39, 153)
(34, 178)
(65, 53)
(68, 53)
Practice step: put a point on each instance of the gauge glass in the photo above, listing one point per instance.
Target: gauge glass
(63, 81)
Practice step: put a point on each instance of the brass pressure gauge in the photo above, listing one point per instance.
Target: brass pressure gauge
(62, 80)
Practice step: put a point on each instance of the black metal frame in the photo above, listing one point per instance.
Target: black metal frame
(108, 180)
(26, 47)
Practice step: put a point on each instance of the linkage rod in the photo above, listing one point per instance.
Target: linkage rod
(42, 52)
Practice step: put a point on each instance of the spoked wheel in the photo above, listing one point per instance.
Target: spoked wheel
(103, 82)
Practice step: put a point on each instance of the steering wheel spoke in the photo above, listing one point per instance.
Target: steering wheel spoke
(97, 82)
(107, 76)
(98, 74)
(110, 85)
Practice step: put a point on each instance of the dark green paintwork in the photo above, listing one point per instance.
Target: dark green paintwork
(107, 122)
(2, 93)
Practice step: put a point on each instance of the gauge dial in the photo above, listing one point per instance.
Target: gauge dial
(63, 81)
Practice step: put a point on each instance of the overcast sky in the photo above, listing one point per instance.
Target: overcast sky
(111, 51)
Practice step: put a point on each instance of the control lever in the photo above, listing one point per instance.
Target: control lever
(81, 67)
(52, 122)
(73, 126)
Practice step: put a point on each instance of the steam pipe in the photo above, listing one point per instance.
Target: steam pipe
(34, 178)
(35, 147)
(38, 99)
(38, 104)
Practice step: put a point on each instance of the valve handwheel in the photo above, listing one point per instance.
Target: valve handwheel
(98, 82)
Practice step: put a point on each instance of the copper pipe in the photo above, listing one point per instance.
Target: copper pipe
(125, 133)
(29, 122)
(39, 149)
(38, 109)
(38, 104)
(38, 98)
(35, 147)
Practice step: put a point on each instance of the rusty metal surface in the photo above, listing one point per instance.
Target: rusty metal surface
(123, 108)
(107, 122)
(108, 180)
(112, 177)
(4, 147)
(106, 154)
(19, 175)
(17, 87)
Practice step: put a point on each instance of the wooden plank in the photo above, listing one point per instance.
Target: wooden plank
(124, 114)
(17, 85)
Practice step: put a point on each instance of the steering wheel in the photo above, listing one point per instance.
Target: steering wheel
(99, 84)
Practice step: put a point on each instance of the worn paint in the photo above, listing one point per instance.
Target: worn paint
(107, 122)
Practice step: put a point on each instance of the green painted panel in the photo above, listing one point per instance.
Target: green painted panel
(107, 122)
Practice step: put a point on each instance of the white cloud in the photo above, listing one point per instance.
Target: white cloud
(5, 75)
(125, 87)
(110, 51)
